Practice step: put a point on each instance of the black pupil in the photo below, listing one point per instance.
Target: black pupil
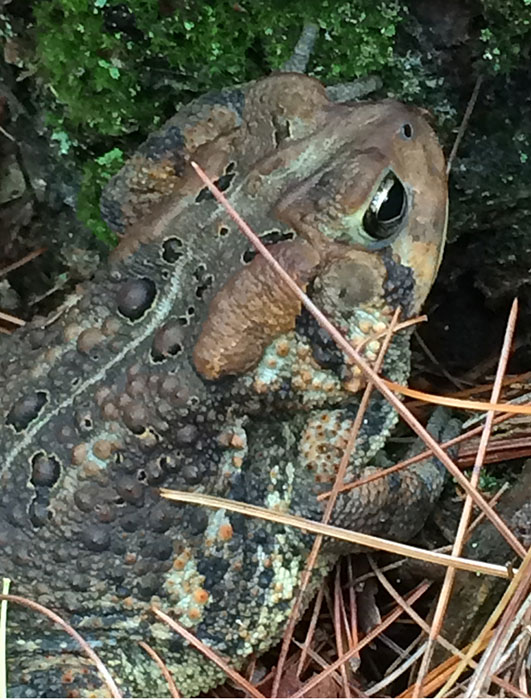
(392, 206)
(387, 209)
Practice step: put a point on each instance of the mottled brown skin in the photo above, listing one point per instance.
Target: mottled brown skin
(127, 390)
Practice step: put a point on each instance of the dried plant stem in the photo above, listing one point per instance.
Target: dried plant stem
(163, 668)
(11, 319)
(453, 402)
(26, 602)
(449, 578)
(512, 617)
(339, 533)
(522, 575)
(3, 639)
(414, 615)
(373, 634)
(26, 259)
(466, 118)
(209, 653)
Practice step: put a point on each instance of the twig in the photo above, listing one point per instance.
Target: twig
(390, 677)
(465, 404)
(512, 617)
(208, 652)
(163, 668)
(449, 577)
(311, 629)
(413, 615)
(89, 651)
(338, 628)
(373, 634)
(3, 639)
(339, 533)
(466, 118)
(11, 319)
(30, 256)
(523, 575)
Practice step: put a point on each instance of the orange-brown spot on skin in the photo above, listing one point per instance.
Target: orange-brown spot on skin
(297, 383)
(251, 310)
(67, 676)
(179, 563)
(201, 596)
(130, 558)
(103, 449)
(111, 325)
(128, 602)
(91, 469)
(101, 393)
(194, 613)
(79, 453)
(282, 348)
(237, 565)
(88, 339)
(237, 462)
(306, 376)
(71, 332)
(354, 385)
(236, 441)
(225, 532)
(110, 411)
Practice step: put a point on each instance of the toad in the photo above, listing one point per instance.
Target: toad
(187, 364)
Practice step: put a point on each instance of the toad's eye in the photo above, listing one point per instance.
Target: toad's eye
(387, 209)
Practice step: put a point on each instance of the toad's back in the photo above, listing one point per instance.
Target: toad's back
(185, 364)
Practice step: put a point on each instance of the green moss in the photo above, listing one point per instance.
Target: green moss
(96, 173)
(506, 33)
(113, 68)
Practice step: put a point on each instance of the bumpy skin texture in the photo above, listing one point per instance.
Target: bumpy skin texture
(184, 366)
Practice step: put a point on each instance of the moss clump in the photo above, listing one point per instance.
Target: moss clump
(96, 172)
(506, 33)
(116, 67)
